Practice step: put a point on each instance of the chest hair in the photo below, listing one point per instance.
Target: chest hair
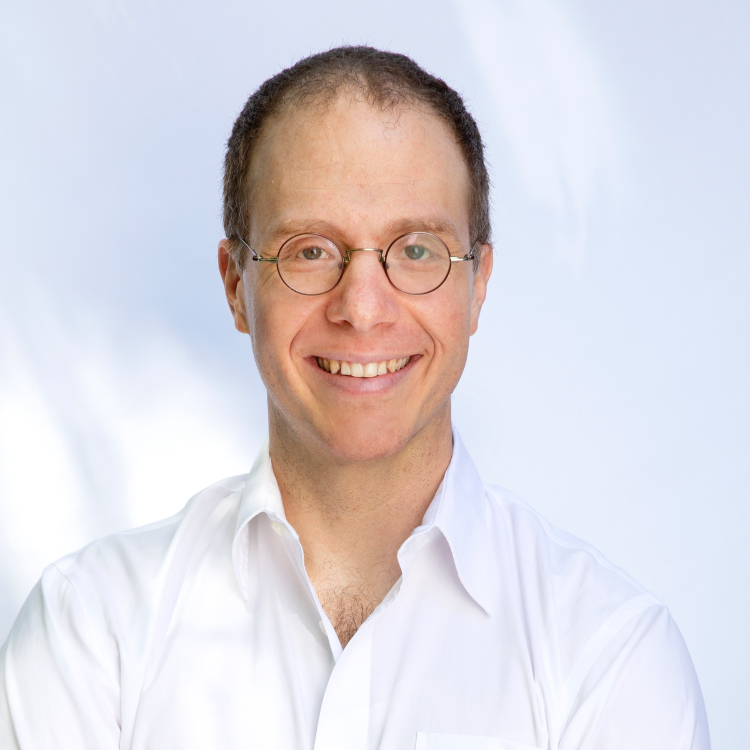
(349, 598)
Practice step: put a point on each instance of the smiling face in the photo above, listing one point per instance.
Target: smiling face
(362, 177)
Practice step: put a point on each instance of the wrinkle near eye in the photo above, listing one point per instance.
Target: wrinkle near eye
(261, 278)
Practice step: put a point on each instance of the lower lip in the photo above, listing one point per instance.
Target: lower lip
(364, 386)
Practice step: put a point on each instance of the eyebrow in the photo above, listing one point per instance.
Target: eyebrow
(290, 227)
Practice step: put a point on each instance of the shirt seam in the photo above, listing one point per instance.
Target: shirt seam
(92, 639)
(571, 691)
(582, 546)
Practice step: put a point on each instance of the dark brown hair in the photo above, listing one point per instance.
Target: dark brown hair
(388, 80)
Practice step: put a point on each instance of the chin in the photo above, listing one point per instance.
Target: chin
(366, 439)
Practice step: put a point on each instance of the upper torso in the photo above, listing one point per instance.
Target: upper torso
(204, 631)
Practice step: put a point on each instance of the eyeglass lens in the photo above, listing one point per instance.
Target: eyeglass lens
(416, 263)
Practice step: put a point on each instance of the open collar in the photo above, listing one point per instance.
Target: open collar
(458, 511)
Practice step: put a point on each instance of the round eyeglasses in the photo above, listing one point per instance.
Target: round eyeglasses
(311, 264)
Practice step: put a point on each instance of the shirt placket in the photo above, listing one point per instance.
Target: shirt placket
(343, 722)
(344, 716)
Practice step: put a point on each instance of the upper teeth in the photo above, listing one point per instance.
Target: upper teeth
(358, 370)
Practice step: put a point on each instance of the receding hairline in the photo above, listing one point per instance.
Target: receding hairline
(320, 103)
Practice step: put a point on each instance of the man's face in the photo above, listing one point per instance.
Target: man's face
(361, 177)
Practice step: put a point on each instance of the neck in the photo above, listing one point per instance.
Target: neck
(352, 516)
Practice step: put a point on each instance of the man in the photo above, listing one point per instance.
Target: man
(360, 588)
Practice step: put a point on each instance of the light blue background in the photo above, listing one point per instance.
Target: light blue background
(609, 384)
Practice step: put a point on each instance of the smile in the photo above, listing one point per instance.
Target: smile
(362, 370)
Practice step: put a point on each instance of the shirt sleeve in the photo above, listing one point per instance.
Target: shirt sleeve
(640, 692)
(56, 691)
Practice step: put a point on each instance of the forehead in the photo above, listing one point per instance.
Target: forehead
(358, 168)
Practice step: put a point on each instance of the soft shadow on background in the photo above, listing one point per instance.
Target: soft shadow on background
(609, 384)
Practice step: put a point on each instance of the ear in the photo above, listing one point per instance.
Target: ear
(481, 278)
(234, 286)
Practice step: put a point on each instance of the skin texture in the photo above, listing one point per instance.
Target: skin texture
(358, 460)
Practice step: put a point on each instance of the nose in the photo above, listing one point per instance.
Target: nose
(364, 298)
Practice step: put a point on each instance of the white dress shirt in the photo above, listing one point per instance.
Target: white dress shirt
(203, 631)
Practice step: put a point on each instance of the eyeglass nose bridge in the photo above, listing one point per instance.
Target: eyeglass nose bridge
(347, 253)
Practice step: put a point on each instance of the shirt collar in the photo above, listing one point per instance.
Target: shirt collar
(458, 511)
(260, 495)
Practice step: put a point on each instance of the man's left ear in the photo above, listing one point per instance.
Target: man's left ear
(481, 277)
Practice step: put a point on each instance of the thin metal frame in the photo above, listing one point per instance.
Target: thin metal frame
(346, 258)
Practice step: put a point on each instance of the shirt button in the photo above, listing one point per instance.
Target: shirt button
(279, 528)
(322, 627)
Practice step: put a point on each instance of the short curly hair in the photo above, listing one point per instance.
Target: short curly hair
(387, 80)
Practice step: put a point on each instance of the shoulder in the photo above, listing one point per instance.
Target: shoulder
(565, 585)
(566, 560)
(94, 614)
(144, 548)
(122, 575)
(608, 649)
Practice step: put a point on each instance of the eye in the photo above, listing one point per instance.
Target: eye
(416, 252)
(313, 253)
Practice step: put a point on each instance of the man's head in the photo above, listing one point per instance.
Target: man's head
(362, 147)
(387, 81)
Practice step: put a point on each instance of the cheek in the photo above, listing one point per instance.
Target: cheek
(267, 332)
(447, 320)
(449, 316)
(275, 324)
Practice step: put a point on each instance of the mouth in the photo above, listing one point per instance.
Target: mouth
(362, 369)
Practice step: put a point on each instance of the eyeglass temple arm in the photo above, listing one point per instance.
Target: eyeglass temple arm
(255, 255)
(470, 256)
